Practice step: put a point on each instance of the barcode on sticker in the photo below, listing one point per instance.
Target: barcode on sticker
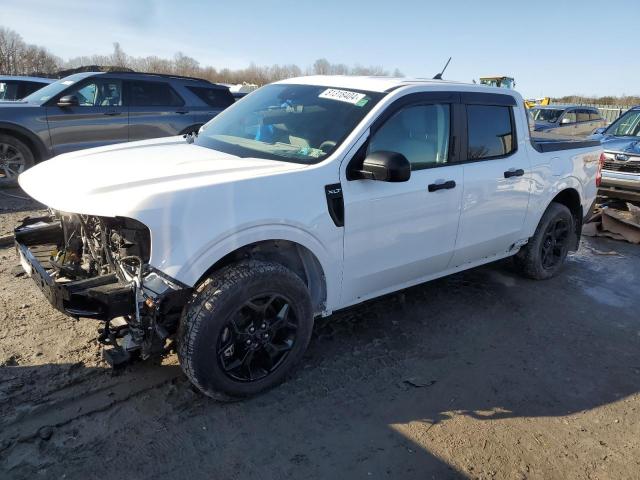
(342, 95)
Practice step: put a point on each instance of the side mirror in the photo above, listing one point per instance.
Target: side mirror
(385, 167)
(565, 120)
(68, 101)
(599, 131)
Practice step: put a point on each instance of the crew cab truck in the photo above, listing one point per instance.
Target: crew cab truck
(305, 197)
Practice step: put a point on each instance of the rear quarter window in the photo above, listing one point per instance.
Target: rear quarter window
(214, 97)
(154, 94)
(491, 132)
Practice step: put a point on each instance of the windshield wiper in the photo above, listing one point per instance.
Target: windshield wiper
(190, 137)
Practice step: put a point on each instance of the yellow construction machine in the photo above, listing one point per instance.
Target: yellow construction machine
(502, 81)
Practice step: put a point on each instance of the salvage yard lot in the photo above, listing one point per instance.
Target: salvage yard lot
(479, 375)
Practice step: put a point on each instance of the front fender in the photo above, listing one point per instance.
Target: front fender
(190, 268)
(41, 151)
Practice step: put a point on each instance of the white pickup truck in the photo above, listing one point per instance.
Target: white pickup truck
(307, 196)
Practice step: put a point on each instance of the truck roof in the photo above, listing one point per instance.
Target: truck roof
(386, 84)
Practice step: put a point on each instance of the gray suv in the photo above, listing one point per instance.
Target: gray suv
(91, 109)
(566, 119)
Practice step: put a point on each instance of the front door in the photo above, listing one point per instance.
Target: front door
(397, 234)
(497, 183)
(100, 118)
(568, 124)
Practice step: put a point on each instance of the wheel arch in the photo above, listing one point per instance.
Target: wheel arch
(570, 198)
(295, 256)
(32, 141)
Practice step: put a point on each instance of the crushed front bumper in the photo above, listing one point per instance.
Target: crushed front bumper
(103, 297)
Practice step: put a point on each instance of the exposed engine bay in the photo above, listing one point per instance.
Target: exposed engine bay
(98, 246)
(97, 267)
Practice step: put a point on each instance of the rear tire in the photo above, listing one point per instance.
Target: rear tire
(245, 328)
(15, 158)
(545, 254)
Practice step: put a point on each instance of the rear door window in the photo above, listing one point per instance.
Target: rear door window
(490, 130)
(154, 94)
(214, 97)
(583, 115)
(8, 90)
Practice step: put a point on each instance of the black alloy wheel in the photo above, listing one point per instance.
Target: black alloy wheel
(257, 338)
(12, 163)
(554, 244)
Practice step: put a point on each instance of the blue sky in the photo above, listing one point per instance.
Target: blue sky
(551, 47)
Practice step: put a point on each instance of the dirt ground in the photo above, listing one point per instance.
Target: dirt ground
(479, 375)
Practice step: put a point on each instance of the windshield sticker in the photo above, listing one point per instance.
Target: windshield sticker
(343, 96)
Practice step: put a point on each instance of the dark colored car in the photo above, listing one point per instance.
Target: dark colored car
(569, 120)
(621, 169)
(92, 109)
(15, 88)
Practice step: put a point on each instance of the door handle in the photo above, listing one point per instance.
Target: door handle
(112, 113)
(449, 184)
(182, 112)
(514, 173)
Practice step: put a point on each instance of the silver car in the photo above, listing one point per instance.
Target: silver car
(567, 120)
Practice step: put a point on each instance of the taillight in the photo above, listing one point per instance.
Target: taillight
(599, 172)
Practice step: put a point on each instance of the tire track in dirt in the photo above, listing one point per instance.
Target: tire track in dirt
(75, 403)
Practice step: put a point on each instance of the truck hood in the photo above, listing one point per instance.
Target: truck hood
(120, 180)
(630, 145)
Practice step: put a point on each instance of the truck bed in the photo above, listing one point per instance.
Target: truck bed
(552, 143)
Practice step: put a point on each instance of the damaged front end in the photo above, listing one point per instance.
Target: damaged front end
(97, 267)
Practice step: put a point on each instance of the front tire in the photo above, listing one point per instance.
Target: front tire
(245, 328)
(547, 250)
(15, 158)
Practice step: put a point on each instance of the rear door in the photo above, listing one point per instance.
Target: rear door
(497, 180)
(585, 124)
(156, 110)
(100, 118)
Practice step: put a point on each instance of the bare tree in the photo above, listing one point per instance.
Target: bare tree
(18, 58)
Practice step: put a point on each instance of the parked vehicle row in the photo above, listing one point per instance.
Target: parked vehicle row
(91, 109)
(308, 196)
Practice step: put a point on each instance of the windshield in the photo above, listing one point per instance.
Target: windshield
(550, 115)
(628, 125)
(53, 89)
(297, 123)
